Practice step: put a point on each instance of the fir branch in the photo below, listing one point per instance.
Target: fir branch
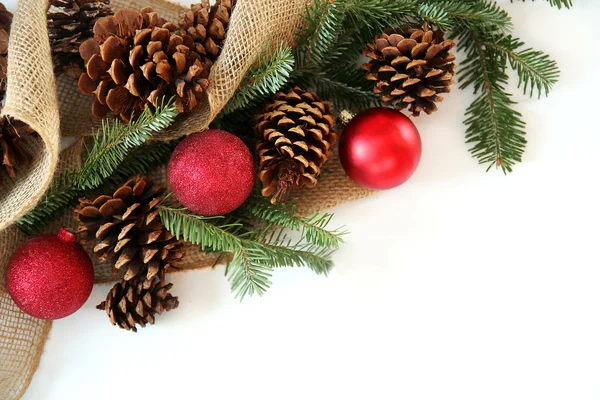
(342, 88)
(266, 79)
(313, 229)
(255, 252)
(494, 128)
(63, 194)
(114, 140)
(457, 15)
(558, 3)
(324, 22)
(371, 17)
(536, 71)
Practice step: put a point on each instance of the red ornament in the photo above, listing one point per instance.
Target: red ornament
(380, 148)
(51, 276)
(211, 172)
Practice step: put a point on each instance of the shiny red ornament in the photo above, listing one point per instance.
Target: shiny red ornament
(50, 276)
(211, 172)
(380, 148)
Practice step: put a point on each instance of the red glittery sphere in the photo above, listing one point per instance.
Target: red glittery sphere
(211, 172)
(51, 276)
(380, 148)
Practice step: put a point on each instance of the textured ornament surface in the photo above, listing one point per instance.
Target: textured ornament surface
(380, 148)
(51, 276)
(211, 172)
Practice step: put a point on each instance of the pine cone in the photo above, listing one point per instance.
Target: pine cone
(136, 302)
(128, 230)
(295, 134)
(5, 23)
(6, 18)
(70, 23)
(207, 25)
(411, 66)
(12, 153)
(135, 60)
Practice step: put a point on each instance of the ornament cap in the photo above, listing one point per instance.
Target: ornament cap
(67, 235)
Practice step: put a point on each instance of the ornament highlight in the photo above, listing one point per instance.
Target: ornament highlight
(380, 148)
(211, 172)
(51, 276)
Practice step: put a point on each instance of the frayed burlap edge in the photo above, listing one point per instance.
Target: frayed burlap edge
(31, 98)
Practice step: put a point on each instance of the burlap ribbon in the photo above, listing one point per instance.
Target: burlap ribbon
(32, 97)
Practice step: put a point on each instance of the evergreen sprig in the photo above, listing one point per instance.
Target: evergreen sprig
(256, 251)
(271, 73)
(313, 228)
(536, 71)
(68, 187)
(558, 3)
(115, 140)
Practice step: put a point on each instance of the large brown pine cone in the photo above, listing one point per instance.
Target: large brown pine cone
(207, 25)
(411, 67)
(135, 60)
(136, 302)
(70, 23)
(128, 231)
(295, 135)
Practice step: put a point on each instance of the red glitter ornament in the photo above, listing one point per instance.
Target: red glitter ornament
(211, 172)
(380, 148)
(51, 276)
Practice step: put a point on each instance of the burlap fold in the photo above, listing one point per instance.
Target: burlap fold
(31, 98)
(255, 25)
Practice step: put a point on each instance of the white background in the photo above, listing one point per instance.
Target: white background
(457, 285)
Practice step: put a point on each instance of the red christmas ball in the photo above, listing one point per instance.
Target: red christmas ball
(211, 172)
(51, 276)
(380, 148)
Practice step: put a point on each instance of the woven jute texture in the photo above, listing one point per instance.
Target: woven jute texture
(22, 337)
(31, 98)
(32, 93)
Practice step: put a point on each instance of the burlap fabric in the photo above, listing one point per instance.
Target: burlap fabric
(31, 98)
(255, 24)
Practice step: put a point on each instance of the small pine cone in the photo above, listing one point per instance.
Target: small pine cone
(128, 230)
(207, 25)
(5, 23)
(295, 135)
(411, 67)
(6, 18)
(135, 60)
(12, 153)
(136, 302)
(70, 23)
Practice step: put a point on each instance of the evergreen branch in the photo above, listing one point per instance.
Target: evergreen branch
(376, 15)
(536, 71)
(255, 252)
(313, 228)
(482, 15)
(324, 22)
(60, 196)
(334, 88)
(493, 127)
(63, 194)
(558, 3)
(266, 79)
(114, 140)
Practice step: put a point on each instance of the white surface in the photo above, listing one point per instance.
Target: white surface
(458, 285)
